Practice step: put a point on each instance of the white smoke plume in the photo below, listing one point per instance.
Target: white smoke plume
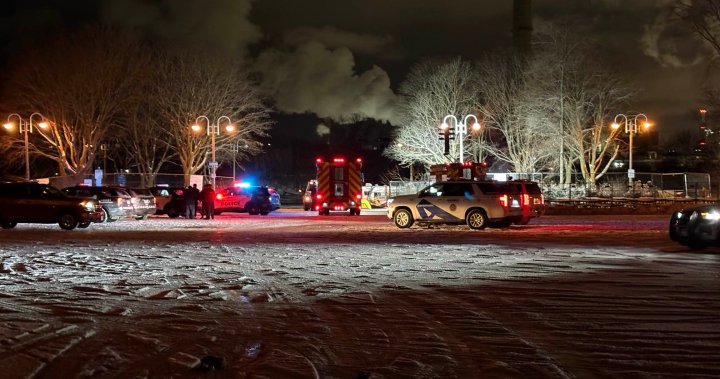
(315, 79)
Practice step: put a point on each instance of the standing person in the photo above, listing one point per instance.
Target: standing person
(207, 196)
(197, 197)
(190, 203)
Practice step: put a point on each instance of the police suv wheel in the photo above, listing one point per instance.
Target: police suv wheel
(476, 219)
(68, 221)
(403, 218)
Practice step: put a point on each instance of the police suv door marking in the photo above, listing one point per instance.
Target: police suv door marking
(428, 210)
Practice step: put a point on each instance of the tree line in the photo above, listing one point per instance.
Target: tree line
(550, 110)
(106, 91)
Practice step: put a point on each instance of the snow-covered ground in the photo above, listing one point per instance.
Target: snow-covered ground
(293, 295)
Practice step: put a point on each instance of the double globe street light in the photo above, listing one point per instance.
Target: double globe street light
(631, 127)
(460, 128)
(25, 127)
(213, 130)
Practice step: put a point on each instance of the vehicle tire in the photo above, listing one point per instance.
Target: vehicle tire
(523, 220)
(105, 216)
(264, 213)
(8, 224)
(352, 212)
(68, 221)
(83, 225)
(306, 208)
(143, 217)
(403, 218)
(477, 219)
(357, 212)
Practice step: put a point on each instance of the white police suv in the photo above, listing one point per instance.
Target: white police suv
(478, 204)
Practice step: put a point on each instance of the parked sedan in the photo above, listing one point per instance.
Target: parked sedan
(696, 227)
(116, 203)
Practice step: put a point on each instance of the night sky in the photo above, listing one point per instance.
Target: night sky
(335, 61)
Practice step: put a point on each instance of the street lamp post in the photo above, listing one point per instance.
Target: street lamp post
(460, 128)
(25, 127)
(631, 127)
(212, 131)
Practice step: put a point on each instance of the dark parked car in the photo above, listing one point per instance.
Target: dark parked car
(31, 202)
(143, 202)
(116, 203)
(696, 227)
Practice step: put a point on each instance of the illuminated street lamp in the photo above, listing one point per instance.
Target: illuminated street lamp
(25, 127)
(212, 131)
(631, 127)
(460, 128)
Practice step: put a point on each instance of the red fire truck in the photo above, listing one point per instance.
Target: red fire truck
(339, 186)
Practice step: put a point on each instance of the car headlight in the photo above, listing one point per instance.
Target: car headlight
(88, 204)
(679, 215)
(390, 201)
(710, 216)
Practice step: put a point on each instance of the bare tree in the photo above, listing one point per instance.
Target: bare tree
(432, 91)
(593, 99)
(80, 83)
(190, 85)
(517, 129)
(704, 18)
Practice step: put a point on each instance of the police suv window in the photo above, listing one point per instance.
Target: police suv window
(457, 189)
(433, 190)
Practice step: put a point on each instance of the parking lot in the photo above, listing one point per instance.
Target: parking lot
(296, 295)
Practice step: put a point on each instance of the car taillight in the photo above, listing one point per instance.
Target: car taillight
(358, 196)
(319, 197)
(503, 200)
(525, 199)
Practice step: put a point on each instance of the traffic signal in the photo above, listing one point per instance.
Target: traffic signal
(447, 133)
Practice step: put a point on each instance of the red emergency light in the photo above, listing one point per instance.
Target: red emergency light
(504, 201)
(319, 196)
(339, 160)
(358, 160)
(219, 196)
(318, 160)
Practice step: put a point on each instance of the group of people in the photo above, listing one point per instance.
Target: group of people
(206, 198)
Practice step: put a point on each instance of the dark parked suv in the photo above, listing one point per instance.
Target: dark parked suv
(115, 202)
(30, 202)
